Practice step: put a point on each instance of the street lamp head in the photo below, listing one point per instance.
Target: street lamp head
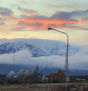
(49, 28)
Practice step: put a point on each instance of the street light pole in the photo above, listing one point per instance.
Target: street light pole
(66, 81)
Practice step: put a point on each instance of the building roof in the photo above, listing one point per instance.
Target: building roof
(59, 75)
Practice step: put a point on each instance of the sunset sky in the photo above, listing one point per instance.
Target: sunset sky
(31, 18)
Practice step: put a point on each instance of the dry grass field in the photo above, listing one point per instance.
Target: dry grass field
(45, 87)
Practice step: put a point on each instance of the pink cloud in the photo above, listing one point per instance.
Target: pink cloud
(30, 23)
(57, 20)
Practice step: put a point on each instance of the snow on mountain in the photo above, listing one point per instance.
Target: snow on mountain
(37, 47)
(42, 52)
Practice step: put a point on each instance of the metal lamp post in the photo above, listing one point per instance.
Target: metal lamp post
(67, 37)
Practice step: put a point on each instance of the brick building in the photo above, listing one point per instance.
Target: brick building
(57, 77)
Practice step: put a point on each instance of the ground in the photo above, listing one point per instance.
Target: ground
(44, 87)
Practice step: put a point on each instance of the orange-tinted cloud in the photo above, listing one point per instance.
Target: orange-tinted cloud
(49, 21)
(13, 18)
(45, 23)
(57, 20)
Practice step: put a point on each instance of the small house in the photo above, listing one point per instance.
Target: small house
(57, 77)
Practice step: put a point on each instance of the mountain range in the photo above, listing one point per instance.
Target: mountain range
(37, 47)
(27, 53)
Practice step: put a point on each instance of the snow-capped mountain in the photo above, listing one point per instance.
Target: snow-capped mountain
(37, 47)
(32, 52)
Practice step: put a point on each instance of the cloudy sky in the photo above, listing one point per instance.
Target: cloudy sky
(31, 18)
